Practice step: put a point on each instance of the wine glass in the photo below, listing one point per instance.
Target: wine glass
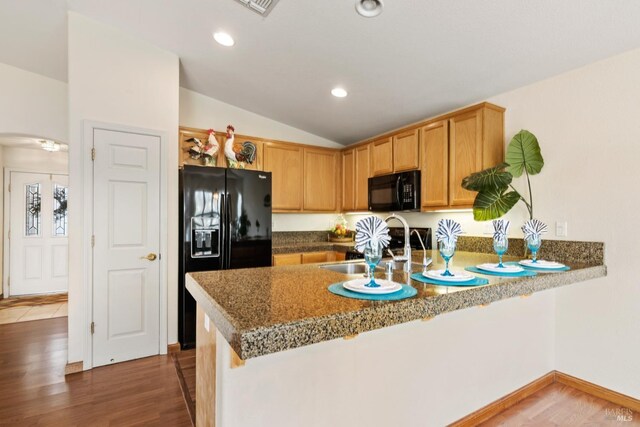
(533, 243)
(447, 249)
(372, 256)
(500, 245)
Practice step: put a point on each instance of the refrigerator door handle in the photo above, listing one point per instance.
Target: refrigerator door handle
(228, 228)
(223, 228)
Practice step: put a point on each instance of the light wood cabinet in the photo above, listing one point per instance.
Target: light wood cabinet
(455, 147)
(287, 259)
(314, 257)
(382, 156)
(362, 175)
(321, 179)
(465, 148)
(308, 258)
(285, 162)
(406, 150)
(435, 164)
(348, 180)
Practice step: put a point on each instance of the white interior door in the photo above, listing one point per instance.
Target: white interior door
(38, 237)
(126, 284)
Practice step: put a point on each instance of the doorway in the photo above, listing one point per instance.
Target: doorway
(35, 228)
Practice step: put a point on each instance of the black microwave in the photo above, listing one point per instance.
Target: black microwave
(395, 192)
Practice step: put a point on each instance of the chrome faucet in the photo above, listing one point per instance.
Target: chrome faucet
(406, 256)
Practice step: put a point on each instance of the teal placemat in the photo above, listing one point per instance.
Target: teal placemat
(475, 282)
(406, 292)
(523, 273)
(540, 270)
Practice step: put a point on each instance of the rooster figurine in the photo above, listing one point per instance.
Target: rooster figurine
(238, 155)
(207, 153)
(210, 151)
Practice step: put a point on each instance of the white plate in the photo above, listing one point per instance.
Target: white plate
(495, 269)
(551, 265)
(386, 286)
(458, 276)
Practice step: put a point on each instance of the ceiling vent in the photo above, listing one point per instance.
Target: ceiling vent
(261, 7)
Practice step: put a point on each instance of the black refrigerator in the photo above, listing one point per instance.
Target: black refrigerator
(225, 222)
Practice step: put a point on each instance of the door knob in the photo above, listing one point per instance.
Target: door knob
(150, 257)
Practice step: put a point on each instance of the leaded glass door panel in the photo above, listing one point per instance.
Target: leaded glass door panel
(38, 245)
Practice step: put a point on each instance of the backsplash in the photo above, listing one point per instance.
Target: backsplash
(282, 238)
(553, 250)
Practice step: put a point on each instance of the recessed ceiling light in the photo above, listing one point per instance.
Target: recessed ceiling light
(338, 92)
(369, 8)
(224, 39)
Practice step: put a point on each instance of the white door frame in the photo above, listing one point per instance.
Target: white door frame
(7, 220)
(87, 175)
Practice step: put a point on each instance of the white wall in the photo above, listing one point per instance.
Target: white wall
(28, 159)
(200, 111)
(32, 104)
(118, 79)
(587, 122)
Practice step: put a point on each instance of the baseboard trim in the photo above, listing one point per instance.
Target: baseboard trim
(73, 368)
(173, 348)
(598, 391)
(502, 404)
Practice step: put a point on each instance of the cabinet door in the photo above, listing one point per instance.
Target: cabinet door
(382, 156)
(406, 151)
(435, 164)
(362, 174)
(314, 257)
(465, 155)
(348, 180)
(320, 180)
(285, 162)
(287, 259)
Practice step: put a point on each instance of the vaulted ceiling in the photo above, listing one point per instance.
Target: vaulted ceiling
(418, 58)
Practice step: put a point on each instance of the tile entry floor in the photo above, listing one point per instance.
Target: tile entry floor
(23, 309)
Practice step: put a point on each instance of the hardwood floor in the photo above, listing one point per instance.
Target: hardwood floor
(34, 390)
(185, 362)
(561, 405)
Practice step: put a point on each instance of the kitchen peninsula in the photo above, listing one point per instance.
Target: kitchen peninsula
(430, 373)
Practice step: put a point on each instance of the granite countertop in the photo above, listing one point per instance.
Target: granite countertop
(266, 310)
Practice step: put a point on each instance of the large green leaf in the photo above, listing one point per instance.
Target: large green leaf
(523, 153)
(495, 177)
(493, 203)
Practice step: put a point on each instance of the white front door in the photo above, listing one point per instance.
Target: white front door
(126, 225)
(38, 242)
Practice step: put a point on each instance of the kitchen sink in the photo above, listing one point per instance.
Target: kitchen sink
(351, 268)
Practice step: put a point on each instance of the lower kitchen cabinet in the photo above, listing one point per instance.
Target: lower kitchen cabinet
(307, 258)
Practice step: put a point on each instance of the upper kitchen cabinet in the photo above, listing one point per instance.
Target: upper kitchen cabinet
(435, 164)
(321, 178)
(406, 150)
(285, 162)
(348, 179)
(382, 156)
(455, 146)
(362, 155)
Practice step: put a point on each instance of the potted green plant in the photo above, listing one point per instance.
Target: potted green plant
(496, 193)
